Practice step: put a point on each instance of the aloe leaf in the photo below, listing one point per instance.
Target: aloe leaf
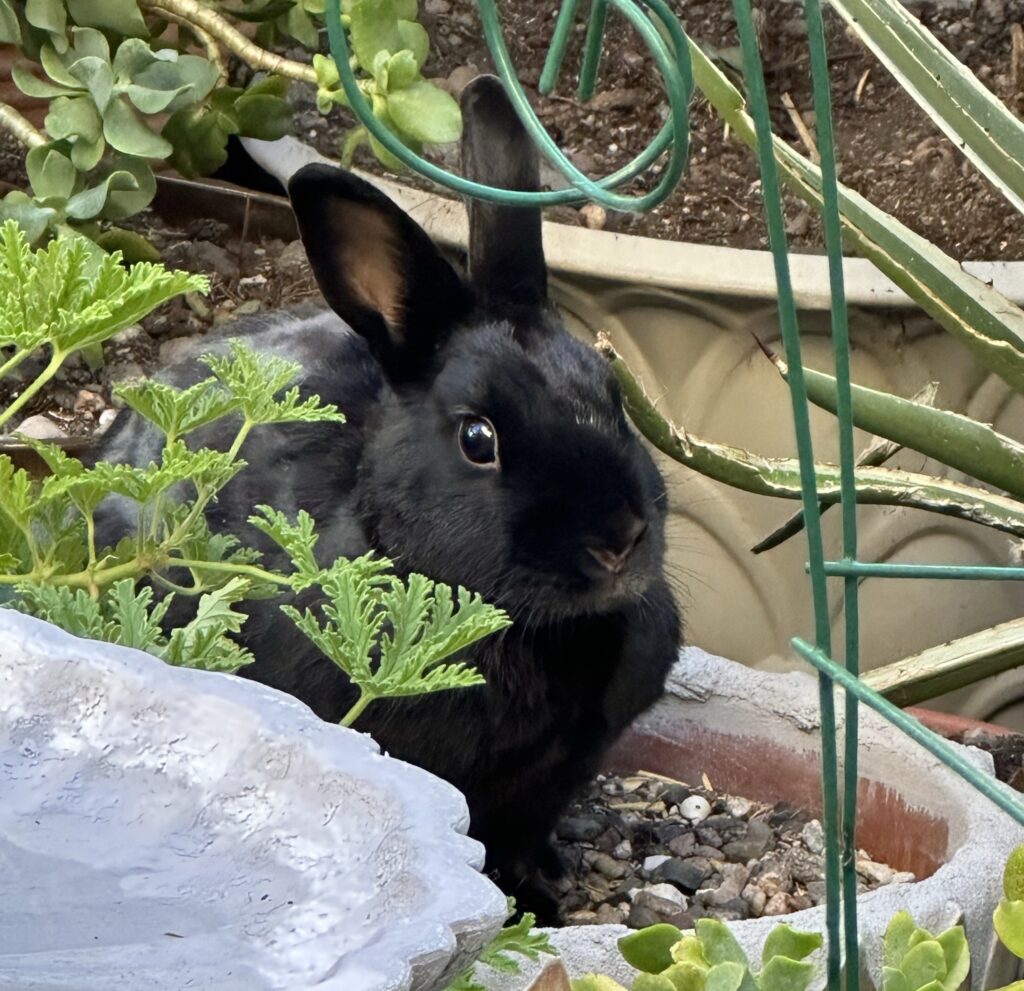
(937, 670)
(966, 112)
(956, 440)
(972, 311)
(780, 477)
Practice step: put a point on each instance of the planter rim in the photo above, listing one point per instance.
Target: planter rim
(646, 261)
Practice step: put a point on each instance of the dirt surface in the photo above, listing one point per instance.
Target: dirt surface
(888, 149)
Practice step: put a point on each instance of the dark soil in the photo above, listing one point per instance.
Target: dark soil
(889, 150)
(1007, 752)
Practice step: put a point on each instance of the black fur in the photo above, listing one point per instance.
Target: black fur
(591, 644)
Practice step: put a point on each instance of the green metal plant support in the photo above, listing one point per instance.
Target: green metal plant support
(668, 45)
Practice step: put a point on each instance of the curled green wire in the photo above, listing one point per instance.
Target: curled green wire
(672, 59)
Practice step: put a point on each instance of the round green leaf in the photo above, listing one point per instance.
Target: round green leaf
(51, 173)
(133, 247)
(96, 76)
(187, 78)
(119, 16)
(374, 28)
(133, 56)
(783, 973)
(41, 89)
(154, 101)
(73, 117)
(415, 38)
(924, 963)
(785, 941)
(122, 202)
(125, 132)
(650, 949)
(32, 218)
(10, 29)
(1013, 875)
(90, 202)
(300, 26)
(199, 137)
(264, 117)
(50, 15)
(86, 155)
(425, 113)
(1009, 922)
(402, 71)
(89, 41)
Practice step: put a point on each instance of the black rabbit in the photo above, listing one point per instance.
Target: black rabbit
(485, 447)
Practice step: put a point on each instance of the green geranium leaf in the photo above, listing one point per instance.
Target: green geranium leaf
(125, 132)
(415, 38)
(95, 74)
(425, 113)
(120, 16)
(90, 202)
(264, 117)
(125, 202)
(1009, 924)
(48, 15)
(650, 949)
(10, 29)
(199, 138)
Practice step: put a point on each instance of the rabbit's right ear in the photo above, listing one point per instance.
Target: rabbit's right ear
(377, 268)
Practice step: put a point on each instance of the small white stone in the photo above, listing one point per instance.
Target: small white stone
(904, 877)
(623, 851)
(594, 216)
(252, 281)
(813, 836)
(738, 808)
(876, 873)
(107, 417)
(654, 862)
(670, 893)
(40, 427)
(695, 808)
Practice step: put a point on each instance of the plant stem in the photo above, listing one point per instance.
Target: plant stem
(196, 15)
(20, 127)
(51, 369)
(251, 570)
(365, 698)
(209, 43)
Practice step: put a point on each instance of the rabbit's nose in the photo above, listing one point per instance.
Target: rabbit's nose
(614, 559)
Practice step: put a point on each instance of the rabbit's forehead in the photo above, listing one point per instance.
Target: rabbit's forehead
(555, 375)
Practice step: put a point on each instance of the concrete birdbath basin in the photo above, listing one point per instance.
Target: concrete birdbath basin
(163, 827)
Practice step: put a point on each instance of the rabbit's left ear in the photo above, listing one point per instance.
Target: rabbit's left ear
(377, 268)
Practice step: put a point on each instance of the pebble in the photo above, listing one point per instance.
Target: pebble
(634, 858)
(594, 216)
(39, 427)
(695, 808)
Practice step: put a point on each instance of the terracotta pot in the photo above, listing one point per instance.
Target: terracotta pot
(757, 735)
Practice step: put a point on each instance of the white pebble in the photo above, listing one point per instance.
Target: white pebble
(670, 893)
(107, 417)
(695, 808)
(623, 851)
(813, 836)
(654, 862)
(738, 808)
(40, 427)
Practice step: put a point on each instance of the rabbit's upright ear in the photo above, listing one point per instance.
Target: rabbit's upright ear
(506, 257)
(377, 268)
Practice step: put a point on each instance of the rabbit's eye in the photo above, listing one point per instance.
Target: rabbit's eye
(478, 440)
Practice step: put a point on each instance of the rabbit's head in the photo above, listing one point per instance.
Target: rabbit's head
(499, 456)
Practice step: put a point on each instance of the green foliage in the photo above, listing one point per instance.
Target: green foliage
(518, 939)
(391, 638)
(68, 297)
(710, 960)
(915, 960)
(1008, 918)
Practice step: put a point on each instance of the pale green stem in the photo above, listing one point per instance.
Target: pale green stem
(365, 698)
(249, 570)
(20, 127)
(51, 369)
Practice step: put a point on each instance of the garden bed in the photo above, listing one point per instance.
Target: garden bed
(888, 148)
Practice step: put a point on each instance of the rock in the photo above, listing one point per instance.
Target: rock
(609, 867)
(904, 877)
(626, 891)
(107, 417)
(685, 875)
(875, 873)
(661, 893)
(88, 402)
(695, 808)
(710, 838)
(734, 880)
(553, 977)
(740, 808)
(675, 794)
(39, 427)
(640, 917)
(623, 851)
(578, 829)
(813, 836)
(816, 891)
(459, 78)
(666, 832)
(755, 898)
(711, 852)
(129, 333)
(654, 862)
(683, 844)
(581, 917)
(797, 903)
(128, 371)
(778, 904)
(292, 261)
(752, 845)
(594, 216)
(803, 865)
(612, 915)
(772, 882)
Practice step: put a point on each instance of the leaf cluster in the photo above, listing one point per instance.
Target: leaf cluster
(711, 960)
(390, 47)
